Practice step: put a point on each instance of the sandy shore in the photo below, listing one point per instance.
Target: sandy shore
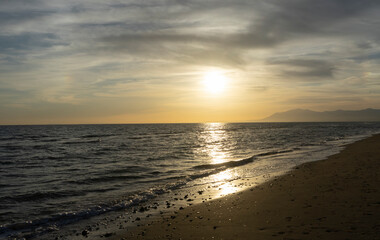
(337, 198)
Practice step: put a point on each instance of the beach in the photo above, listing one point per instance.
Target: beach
(336, 198)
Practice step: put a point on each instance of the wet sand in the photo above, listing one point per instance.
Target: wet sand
(337, 198)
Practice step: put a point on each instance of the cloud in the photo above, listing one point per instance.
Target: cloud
(373, 56)
(19, 17)
(113, 82)
(143, 49)
(294, 19)
(28, 41)
(272, 24)
(304, 68)
(308, 16)
(364, 45)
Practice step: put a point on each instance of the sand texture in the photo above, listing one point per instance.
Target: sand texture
(337, 198)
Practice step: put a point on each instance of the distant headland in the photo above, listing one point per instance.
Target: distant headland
(304, 115)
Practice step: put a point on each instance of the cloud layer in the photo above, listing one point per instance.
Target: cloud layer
(142, 61)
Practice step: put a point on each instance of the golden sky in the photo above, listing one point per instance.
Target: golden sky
(184, 60)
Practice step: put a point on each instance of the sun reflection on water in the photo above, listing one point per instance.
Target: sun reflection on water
(228, 188)
(215, 138)
(225, 179)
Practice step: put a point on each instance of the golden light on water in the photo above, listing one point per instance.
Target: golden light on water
(214, 137)
(228, 188)
(217, 157)
(227, 185)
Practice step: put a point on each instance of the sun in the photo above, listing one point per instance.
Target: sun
(214, 81)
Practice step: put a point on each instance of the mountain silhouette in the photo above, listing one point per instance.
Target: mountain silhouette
(304, 115)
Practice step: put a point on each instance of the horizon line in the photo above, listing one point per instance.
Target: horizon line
(147, 123)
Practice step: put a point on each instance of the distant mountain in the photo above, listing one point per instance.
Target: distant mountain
(303, 115)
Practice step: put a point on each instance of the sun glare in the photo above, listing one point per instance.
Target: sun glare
(214, 81)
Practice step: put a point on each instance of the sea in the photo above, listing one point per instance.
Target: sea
(58, 180)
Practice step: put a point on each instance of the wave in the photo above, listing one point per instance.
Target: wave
(134, 199)
(128, 169)
(155, 173)
(48, 157)
(159, 158)
(97, 135)
(274, 153)
(37, 196)
(82, 142)
(8, 138)
(49, 140)
(42, 147)
(105, 179)
(229, 164)
(14, 147)
(40, 195)
(232, 164)
(42, 225)
(5, 162)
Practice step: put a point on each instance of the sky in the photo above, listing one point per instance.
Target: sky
(170, 61)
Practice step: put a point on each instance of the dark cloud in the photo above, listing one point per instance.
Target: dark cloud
(277, 22)
(156, 39)
(373, 56)
(10, 60)
(134, 5)
(293, 19)
(28, 41)
(17, 17)
(364, 45)
(124, 26)
(114, 82)
(304, 68)
(306, 15)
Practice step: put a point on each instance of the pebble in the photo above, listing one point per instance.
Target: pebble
(85, 233)
(143, 209)
(108, 234)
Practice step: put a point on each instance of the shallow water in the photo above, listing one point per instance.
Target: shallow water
(54, 176)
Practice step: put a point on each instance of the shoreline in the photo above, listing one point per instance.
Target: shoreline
(335, 198)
